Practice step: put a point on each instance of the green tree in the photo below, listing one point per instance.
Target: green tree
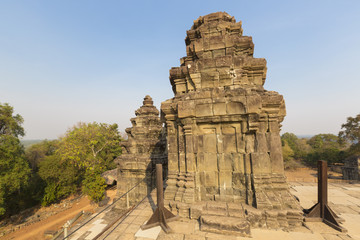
(14, 170)
(61, 178)
(92, 148)
(351, 134)
(76, 161)
(321, 141)
(288, 153)
(10, 124)
(37, 152)
(94, 185)
(325, 147)
(299, 146)
(291, 140)
(331, 155)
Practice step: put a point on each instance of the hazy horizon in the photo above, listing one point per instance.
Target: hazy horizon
(83, 61)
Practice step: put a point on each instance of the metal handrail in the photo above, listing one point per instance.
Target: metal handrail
(67, 225)
(127, 214)
(125, 194)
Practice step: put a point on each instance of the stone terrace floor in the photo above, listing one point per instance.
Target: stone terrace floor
(344, 199)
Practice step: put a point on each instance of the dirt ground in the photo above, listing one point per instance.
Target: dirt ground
(309, 175)
(36, 230)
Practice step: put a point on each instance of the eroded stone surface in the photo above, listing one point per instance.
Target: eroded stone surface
(222, 126)
(229, 225)
(351, 168)
(144, 148)
(223, 151)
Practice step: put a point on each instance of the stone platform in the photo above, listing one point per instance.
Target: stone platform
(344, 199)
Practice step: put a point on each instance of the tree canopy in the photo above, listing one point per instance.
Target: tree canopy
(10, 124)
(351, 133)
(91, 146)
(14, 170)
(77, 160)
(51, 170)
(319, 147)
(321, 141)
(37, 152)
(298, 146)
(60, 178)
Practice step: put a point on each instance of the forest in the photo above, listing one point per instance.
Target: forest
(50, 170)
(329, 147)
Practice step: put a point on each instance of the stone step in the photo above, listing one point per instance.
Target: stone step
(221, 206)
(225, 225)
(217, 212)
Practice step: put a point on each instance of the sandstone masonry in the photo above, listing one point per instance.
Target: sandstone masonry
(351, 168)
(222, 126)
(221, 141)
(144, 148)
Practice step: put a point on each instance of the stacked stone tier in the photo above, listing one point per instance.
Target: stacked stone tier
(223, 127)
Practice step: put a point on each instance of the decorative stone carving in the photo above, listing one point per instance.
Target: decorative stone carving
(144, 148)
(223, 127)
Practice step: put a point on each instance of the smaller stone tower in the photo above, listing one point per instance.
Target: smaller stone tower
(144, 148)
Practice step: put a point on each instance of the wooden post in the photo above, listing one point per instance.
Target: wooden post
(321, 210)
(322, 186)
(160, 186)
(161, 215)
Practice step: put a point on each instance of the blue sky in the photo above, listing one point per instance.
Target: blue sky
(62, 62)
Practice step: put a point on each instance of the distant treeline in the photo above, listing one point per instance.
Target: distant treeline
(28, 143)
(329, 147)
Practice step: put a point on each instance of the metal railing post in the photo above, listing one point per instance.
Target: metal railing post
(66, 226)
(127, 197)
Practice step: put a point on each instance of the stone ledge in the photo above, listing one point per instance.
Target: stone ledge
(225, 225)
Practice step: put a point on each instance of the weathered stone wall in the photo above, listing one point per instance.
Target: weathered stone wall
(144, 148)
(222, 126)
(351, 168)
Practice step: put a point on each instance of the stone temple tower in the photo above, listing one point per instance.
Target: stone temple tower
(223, 127)
(144, 148)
